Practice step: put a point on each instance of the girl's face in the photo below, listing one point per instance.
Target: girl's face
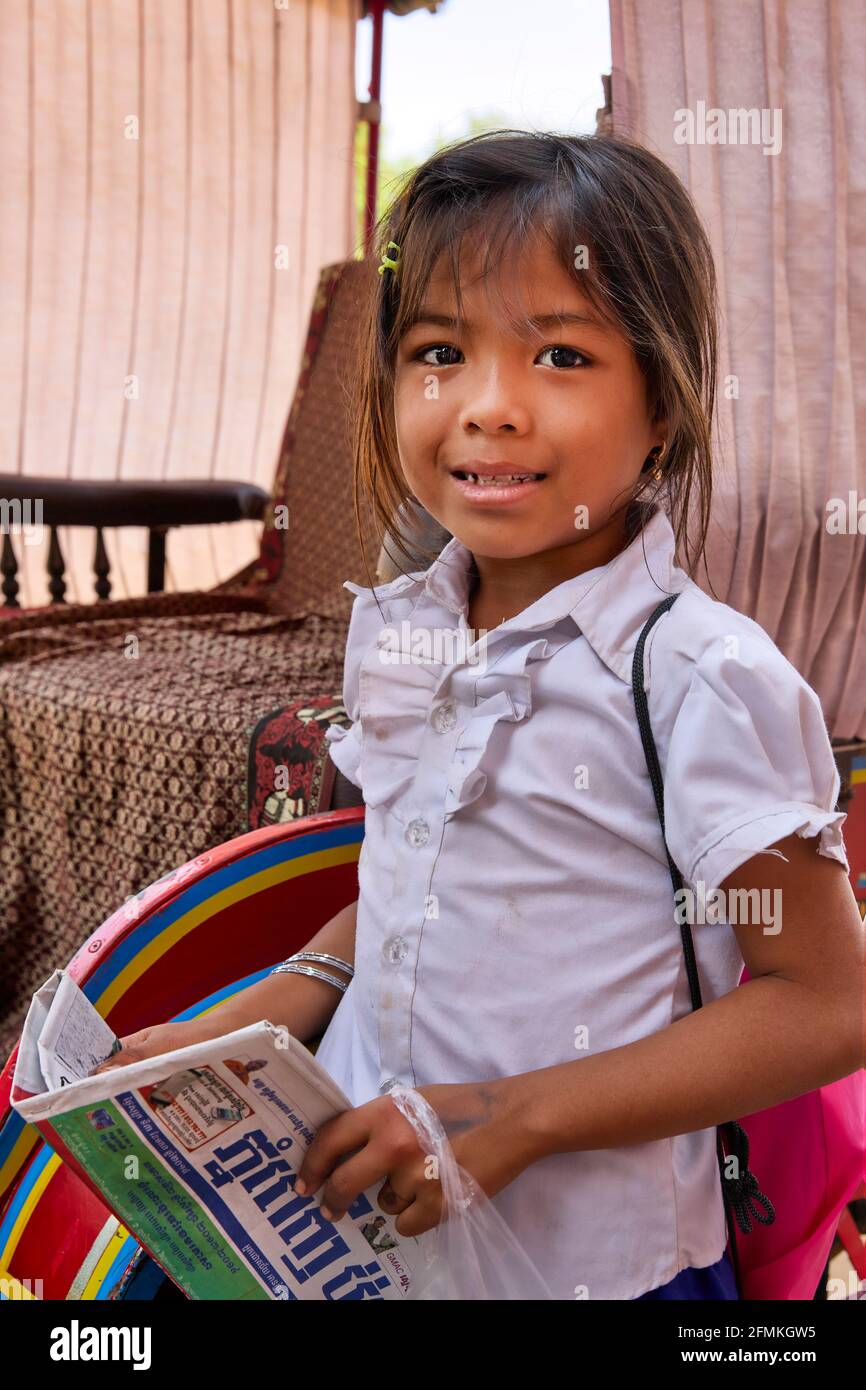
(570, 405)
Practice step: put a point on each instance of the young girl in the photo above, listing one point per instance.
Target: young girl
(539, 376)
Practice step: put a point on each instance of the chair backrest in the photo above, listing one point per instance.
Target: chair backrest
(308, 559)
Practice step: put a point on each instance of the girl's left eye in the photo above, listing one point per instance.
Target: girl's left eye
(584, 361)
(435, 347)
(558, 348)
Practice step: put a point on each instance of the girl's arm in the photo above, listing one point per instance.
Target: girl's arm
(301, 1003)
(797, 1024)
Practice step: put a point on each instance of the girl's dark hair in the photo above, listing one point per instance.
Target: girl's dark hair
(649, 270)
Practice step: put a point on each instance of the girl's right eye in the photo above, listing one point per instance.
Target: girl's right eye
(435, 347)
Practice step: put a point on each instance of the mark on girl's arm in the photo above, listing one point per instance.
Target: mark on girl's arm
(459, 1123)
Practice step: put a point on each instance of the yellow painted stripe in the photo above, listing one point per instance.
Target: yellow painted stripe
(104, 1263)
(26, 1211)
(23, 1146)
(78, 1287)
(234, 893)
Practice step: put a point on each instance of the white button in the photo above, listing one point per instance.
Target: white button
(417, 833)
(386, 1085)
(445, 717)
(395, 949)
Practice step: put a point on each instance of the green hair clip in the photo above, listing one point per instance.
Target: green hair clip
(389, 263)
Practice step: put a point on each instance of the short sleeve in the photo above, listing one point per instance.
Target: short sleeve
(749, 762)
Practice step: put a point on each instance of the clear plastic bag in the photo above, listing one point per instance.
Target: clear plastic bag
(472, 1253)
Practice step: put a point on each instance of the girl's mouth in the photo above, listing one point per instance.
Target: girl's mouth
(496, 489)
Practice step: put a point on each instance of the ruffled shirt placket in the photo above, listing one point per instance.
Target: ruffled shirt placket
(464, 704)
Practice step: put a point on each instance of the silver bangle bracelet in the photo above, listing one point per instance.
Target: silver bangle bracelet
(325, 959)
(290, 967)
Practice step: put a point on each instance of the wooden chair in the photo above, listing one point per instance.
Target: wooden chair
(158, 506)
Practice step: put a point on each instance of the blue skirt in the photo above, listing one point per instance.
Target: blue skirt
(714, 1281)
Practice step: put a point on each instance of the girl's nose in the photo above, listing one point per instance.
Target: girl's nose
(492, 401)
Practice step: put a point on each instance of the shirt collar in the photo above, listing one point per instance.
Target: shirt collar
(608, 604)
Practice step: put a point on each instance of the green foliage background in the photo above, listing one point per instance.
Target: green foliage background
(393, 172)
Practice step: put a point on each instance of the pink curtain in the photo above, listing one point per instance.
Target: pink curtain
(174, 173)
(788, 229)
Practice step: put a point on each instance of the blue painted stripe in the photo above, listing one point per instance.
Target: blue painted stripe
(9, 1135)
(117, 1267)
(43, 1156)
(220, 994)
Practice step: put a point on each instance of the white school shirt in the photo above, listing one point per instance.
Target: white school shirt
(515, 905)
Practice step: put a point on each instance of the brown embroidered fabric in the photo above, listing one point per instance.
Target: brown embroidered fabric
(137, 733)
(124, 751)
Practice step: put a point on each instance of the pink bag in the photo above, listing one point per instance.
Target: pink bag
(809, 1153)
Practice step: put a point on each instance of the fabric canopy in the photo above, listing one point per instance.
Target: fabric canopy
(175, 173)
(781, 192)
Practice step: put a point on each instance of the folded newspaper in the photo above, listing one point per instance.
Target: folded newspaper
(196, 1151)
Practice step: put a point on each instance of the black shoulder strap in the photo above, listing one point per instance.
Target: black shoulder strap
(652, 759)
(741, 1193)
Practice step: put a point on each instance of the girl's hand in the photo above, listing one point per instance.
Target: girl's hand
(486, 1127)
(152, 1042)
